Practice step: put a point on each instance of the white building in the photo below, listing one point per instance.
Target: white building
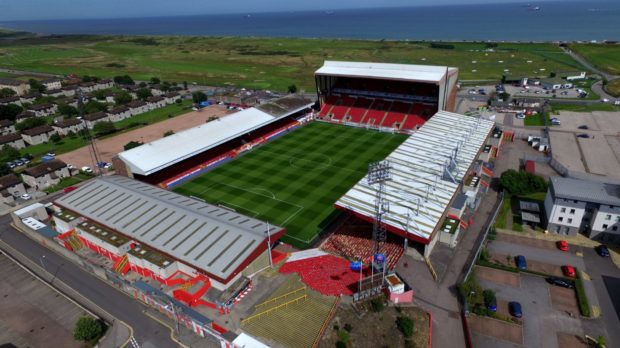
(589, 207)
(52, 84)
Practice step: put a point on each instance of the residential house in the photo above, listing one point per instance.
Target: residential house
(88, 87)
(131, 89)
(172, 97)
(137, 107)
(155, 102)
(94, 118)
(7, 127)
(52, 84)
(104, 84)
(29, 98)
(11, 100)
(43, 110)
(69, 91)
(22, 116)
(46, 174)
(583, 206)
(119, 113)
(529, 103)
(20, 87)
(14, 140)
(10, 187)
(54, 93)
(156, 90)
(63, 128)
(109, 98)
(38, 135)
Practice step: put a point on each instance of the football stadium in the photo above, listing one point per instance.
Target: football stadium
(204, 211)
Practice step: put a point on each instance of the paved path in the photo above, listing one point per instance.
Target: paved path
(598, 86)
(553, 257)
(147, 332)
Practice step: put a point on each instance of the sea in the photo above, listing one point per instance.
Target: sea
(545, 21)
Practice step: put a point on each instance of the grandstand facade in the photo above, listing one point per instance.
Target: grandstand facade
(392, 97)
(175, 159)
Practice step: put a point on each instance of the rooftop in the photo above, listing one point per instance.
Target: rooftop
(68, 123)
(45, 168)
(9, 138)
(9, 180)
(586, 191)
(38, 130)
(210, 238)
(426, 170)
(11, 82)
(95, 116)
(159, 154)
(103, 233)
(403, 72)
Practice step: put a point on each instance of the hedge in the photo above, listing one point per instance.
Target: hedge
(582, 299)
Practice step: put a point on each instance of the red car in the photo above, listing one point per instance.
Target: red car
(569, 271)
(562, 245)
(69, 189)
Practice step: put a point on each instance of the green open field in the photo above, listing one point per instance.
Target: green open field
(613, 87)
(604, 57)
(263, 63)
(294, 180)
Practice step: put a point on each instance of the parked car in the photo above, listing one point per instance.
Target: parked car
(562, 245)
(602, 250)
(25, 160)
(555, 121)
(569, 271)
(617, 102)
(521, 262)
(490, 300)
(520, 115)
(605, 100)
(26, 196)
(560, 282)
(69, 189)
(87, 169)
(101, 164)
(51, 153)
(583, 135)
(583, 126)
(515, 309)
(19, 163)
(11, 164)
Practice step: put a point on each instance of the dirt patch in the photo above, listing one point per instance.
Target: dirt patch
(109, 147)
(501, 277)
(373, 330)
(496, 328)
(564, 300)
(572, 341)
(537, 243)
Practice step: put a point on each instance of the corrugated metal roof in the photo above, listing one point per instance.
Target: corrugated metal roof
(159, 154)
(404, 72)
(586, 191)
(426, 171)
(211, 238)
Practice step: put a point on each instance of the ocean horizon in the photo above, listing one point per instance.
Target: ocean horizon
(547, 21)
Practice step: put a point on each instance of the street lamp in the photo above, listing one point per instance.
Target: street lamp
(41, 261)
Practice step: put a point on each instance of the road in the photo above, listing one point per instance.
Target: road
(147, 332)
(606, 278)
(597, 87)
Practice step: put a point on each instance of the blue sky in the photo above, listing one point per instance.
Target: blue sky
(63, 9)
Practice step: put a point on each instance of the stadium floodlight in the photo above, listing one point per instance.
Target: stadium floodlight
(379, 172)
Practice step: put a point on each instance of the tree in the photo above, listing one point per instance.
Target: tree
(87, 78)
(67, 110)
(292, 89)
(6, 92)
(521, 182)
(55, 138)
(143, 93)
(87, 329)
(168, 133)
(8, 153)
(35, 85)
(198, 97)
(94, 106)
(104, 128)
(405, 325)
(155, 81)
(122, 98)
(30, 123)
(4, 169)
(9, 112)
(124, 80)
(100, 94)
(552, 74)
(130, 145)
(185, 85)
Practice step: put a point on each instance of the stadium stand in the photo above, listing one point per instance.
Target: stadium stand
(397, 114)
(341, 107)
(358, 110)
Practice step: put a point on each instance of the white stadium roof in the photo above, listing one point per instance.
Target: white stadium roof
(211, 238)
(404, 72)
(159, 154)
(426, 171)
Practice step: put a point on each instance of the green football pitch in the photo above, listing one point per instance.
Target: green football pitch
(295, 180)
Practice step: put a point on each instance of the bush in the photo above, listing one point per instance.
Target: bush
(442, 46)
(168, 133)
(484, 255)
(582, 299)
(55, 138)
(104, 128)
(130, 145)
(348, 327)
(376, 304)
(344, 336)
(341, 344)
(489, 295)
(87, 329)
(405, 325)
